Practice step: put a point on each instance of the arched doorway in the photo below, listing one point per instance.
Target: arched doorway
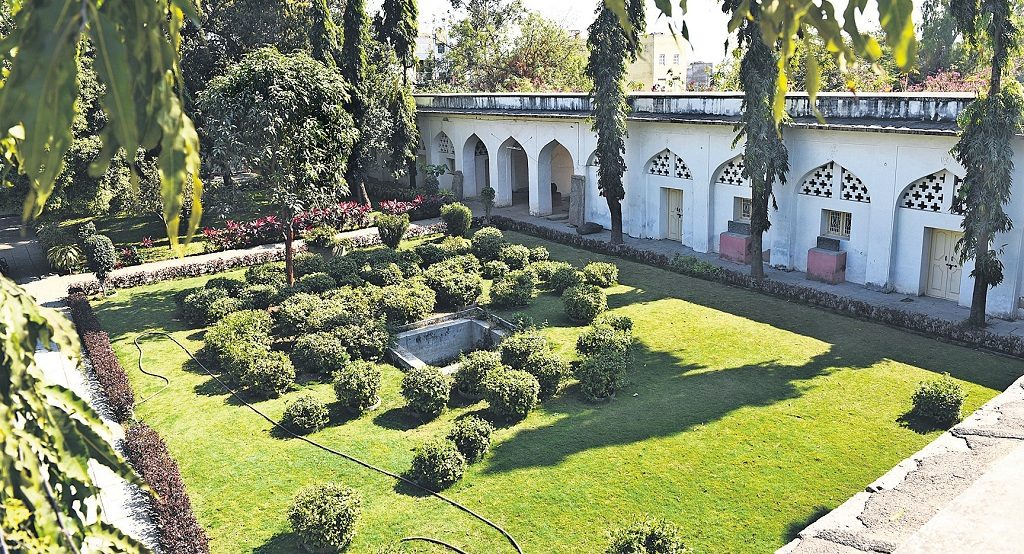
(554, 175)
(476, 163)
(512, 183)
(444, 155)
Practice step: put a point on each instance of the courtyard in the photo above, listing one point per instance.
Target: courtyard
(743, 419)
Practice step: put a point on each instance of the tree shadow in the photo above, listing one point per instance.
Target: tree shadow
(794, 528)
(280, 543)
(397, 419)
(919, 424)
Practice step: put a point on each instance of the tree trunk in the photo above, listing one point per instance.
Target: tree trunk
(756, 254)
(366, 196)
(615, 208)
(412, 173)
(979, 296)
(289, 253)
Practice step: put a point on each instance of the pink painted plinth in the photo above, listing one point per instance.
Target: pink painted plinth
(734, 247)
(827, 266)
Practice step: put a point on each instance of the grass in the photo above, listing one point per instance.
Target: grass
(744, 419)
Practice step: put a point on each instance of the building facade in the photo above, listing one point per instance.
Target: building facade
(661, 65)
(875, 181)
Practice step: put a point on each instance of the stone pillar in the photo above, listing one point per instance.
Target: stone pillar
(577, 200)
(458, 181)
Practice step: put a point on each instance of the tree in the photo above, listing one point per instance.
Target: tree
(353, 51)
(765, 157)
(283, 115)
(611, 47)
(984, 148)
(396, 26)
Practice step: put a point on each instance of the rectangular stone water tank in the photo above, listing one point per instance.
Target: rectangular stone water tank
(442, 342)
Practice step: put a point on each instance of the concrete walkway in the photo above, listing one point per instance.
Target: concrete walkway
(934, 307)
(23, 254)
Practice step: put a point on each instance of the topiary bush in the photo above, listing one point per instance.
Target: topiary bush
(466, 263)
(407, 302)
(357, 386)
(248, 327)
(230, 284)
(565, 277)
(602, 374)
(602, 274)
(316, 282)
(324, 516)
(269, 273)
(583, 303)
(224, 306)
(269, 373)
(487, 243)
(618, 322)
(197, 306)
(472, 436)
(305, 415)
(550, 371)
(516, 349)
(308, 313)
(307, 263)
(431, 253)
(426, 391)
(437, 465)
(516, 256)
(321, 236)
(364, 335)
(514, 289)
(539, 254)
(456, 246)
(457, 218)
(511, 393)
(940, 401)
(647, 537)
(85, 231)
(544, 270)
(259, 297)
(320, 353)
(494, 269)
(473, 368)
(392, 228)
(101, 256)
(455, 289)
(603, 336)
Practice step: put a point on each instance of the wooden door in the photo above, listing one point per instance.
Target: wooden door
(944, 270)
(674, 214)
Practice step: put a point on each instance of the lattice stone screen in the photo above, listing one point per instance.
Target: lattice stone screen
(929, 192)
(732, 173)
(445, 146)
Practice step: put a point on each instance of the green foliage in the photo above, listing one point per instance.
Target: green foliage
(649, 536)
(516, 256)
(601, 374)
(269, 373)
(437, 465)
(487, 243)
(269, 273)
(940, 400)
(455, 288)
(345, 271)
(249, 329)
(316, 282)
(516, 349)
(307, 313)
(259, 297)
(604, 337)
(85, 231)
(473, 368)
(494, 269)
(231, 285)
(407, 302)
(539, 254)
(583, 303)
(357, 385)
(392, 228)
(544, 270)
(472, 436)
(618, 322)
(487, 195)
(324, 516)
(65, 258)
(602, 274)
(426, 391)
(199, 307)
(382, 275)
(565, 277)
(515, 288)
(306, 414)
(458, 218)
(309, 262)
(320, 353)
(511, 393)
(321, 236)
(550, 371)
(100, 254)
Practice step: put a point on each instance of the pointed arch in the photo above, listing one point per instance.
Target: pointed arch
(513, 172)
(668, 164)
(592, 160)
(475, 166)
(831, 180)
(931, 193)
(731, 173)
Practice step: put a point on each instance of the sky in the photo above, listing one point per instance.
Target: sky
(705, 20)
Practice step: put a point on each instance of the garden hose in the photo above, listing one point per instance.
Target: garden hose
(323, 447)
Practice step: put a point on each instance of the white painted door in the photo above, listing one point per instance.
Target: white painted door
(674, 214)
(944, 269)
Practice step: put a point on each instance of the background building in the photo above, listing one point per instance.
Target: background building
(661, 65)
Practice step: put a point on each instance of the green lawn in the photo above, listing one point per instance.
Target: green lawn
(745, 417)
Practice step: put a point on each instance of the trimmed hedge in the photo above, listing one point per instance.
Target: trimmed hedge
(172, 510)
(602, 374)
(565, 277)
(511, 393)
(437, 465)
(391, 228)
(550, 371)
(357, 386)
(514, 289)
(940, 400)
(487, 243)
(472, 436)
(473, 368)
(651, 536)
(307, 414)
(324, 516)
(109, 372)
(602, 274)
(583, 303)
(458, 218)
(516, 256)
(320, 353)
(426, 391)
(518, 348)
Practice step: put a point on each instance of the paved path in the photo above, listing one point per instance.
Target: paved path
(942, 309)
(23, 254)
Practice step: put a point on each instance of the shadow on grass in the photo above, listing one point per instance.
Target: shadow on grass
(794, 528)
(919, 424)
(398, 419)
(279, 544)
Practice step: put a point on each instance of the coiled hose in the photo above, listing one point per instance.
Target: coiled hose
(323, 447)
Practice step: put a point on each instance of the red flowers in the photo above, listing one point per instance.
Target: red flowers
(343, 216)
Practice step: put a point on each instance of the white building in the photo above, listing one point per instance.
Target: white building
(877, 177)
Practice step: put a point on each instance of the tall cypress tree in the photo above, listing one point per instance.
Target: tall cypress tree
(353, 68)
(323, 35)
(613, 44)
(765, 155)
(987, 129)
(397, 27)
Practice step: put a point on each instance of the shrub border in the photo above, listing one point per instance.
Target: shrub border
(109, 372)
(911, 321)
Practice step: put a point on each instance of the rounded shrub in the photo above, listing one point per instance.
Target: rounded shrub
(437, 465)
(269, 273)
(307, 313)
(565, 277)
(455, 289)
(85, 231)
(494, 269)
(458, 218)
(269, 373)
(321, 236)
(426, 391)
(473, 368)
(357, 386)
(407, 302)
(309, 262)
(602, 274)
(602, 374)
(306, 414)
(456, 246)
(364, 335)
(382, 275)
(100, 254)
(320, 353)
(472, 436)
(647, 537)
(516, 256)
(431, 253)
(232, 285)
(550, 371)
(602, 336)
(516, 349)
(618, 322)
(392, 228)
(317, 282)
(466, 263)
(511, 393)
(539, 254)
(488, 242)
(940, 400)
(583, 303)
(324, 516)
(246, 326)
(345, 271)
(197, 306)
(259, 297)
(224, 306)
(514, 289)
(544, 270)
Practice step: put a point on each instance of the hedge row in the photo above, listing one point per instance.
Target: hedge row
(180, 533)
(694, 267)
(109, 372)
(195, 269)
